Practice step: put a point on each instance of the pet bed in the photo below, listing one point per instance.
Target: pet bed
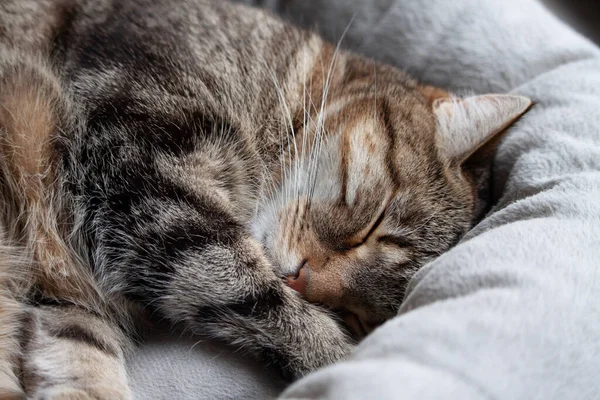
(513, 311)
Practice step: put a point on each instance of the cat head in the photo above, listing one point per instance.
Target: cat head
(380, 180)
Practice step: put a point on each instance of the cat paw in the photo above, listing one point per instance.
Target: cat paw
(70, 393)
(311, 361)
(63, 393)
(8, 394)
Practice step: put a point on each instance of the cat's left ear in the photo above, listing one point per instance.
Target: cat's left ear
(464, 125)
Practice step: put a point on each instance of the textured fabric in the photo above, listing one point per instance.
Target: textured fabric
(513, 312)
(172, 367)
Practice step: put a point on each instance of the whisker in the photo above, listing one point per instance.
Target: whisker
(287, 114)
(324, 97)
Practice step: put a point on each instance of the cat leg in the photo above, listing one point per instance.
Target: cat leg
(14, 284)
(232, 294)
(71, 354)
(11, 313)
(196, 265)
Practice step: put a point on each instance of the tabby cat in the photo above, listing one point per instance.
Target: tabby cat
(213, 165)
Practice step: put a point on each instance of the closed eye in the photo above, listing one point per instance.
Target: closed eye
(399, 241)
(376, 225)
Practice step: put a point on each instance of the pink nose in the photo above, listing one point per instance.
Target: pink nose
(298, 283)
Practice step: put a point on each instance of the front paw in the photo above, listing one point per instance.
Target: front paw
(324, 343)
(64, 392)
(10, 394)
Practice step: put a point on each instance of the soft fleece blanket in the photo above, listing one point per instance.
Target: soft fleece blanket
(512, 312)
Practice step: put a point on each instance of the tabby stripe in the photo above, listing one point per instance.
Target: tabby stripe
(27, 323)
(253, 305)
(293, 231)
(344, 167)
(80, 334)
(399, 241)
(389, 130)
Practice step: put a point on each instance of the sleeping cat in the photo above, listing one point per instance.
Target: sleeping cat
(212, 165)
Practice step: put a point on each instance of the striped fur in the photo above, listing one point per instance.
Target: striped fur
(189, 158)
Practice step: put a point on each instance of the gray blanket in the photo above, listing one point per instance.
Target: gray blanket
(513, 312)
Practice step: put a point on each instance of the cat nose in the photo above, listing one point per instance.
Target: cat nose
(298, 282)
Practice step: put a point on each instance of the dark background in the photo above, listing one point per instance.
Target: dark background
(583, 15)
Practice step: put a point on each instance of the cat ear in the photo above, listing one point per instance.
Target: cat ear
(466, 124)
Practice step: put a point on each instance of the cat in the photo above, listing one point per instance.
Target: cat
(213, 165)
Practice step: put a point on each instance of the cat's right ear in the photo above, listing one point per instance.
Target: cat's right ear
(464, 125)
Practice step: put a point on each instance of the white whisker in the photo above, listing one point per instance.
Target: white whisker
(322, 117)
